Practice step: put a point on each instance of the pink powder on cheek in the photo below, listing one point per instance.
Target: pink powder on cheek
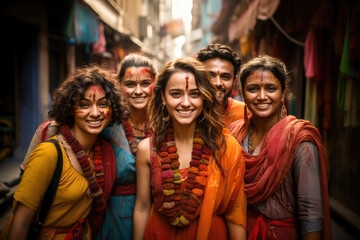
(151, 88)
(108, 112)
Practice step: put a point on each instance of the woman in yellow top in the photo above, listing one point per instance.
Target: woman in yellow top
(83, 105)
(190, 172)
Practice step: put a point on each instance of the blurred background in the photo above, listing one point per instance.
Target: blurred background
(44, 41)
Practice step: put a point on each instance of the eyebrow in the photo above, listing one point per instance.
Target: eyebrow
(182, 90)
(88, 100)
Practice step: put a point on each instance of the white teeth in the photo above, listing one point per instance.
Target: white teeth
(263, 105)
(184, 112)
(95, 122)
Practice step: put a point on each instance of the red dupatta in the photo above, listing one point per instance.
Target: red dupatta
(265, 172)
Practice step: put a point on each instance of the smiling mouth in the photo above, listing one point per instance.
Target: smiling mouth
(185, 112)
(95, 123)
(262, 105)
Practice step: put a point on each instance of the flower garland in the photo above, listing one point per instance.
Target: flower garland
(182, 207)
(130, 136)
(95, 175)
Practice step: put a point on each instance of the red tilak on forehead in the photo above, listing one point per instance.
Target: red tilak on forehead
(218, 71)
(94, 89)
(187, 81)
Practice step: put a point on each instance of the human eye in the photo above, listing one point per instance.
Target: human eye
(130, 84)
(103, 104)
(83, 105)
(226, 77)
(145, 83)
(252, 89)
(272, 88)
(195, 94)
(175, 94)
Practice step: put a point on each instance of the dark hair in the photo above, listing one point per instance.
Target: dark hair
(265, 62)
(217, 50)
(211, 118)
(135, 60)
(69, 93)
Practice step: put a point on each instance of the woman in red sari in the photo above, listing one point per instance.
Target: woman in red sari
(286, 167)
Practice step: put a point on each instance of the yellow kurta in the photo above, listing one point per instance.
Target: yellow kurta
(70, 203)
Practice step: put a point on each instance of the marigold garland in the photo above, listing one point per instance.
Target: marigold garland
(180, 207)
(130, 137)
(95, 175)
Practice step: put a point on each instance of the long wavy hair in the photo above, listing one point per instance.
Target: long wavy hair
(210, 119)
(72, 90)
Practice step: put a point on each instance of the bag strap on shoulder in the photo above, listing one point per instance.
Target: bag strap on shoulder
(51, 190)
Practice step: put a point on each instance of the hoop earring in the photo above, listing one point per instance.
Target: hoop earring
(283, 112)
(246, 119)
(167, 118)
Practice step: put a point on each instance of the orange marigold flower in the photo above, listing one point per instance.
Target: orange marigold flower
(197, 192)
(194, 170)
(206, 157)
(172, 149)
(164, 154)
(173, 156)
(203, 167)
(203, 173)
(197, 146)
(165, 166)
(201, 180)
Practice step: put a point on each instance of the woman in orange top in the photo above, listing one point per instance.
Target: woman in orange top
(83, 106)
(190, 173)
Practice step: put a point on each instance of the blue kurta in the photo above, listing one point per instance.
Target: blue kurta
(118, 222)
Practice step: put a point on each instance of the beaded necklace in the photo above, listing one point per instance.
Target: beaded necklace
(130, 136)
(181, 207)
(94, 175)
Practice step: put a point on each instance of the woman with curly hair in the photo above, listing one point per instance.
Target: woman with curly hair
(190, 172)
(83, 106)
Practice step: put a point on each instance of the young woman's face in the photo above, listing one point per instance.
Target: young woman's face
(182, 98)
(263, 94)
(138, 85)
(92, 113)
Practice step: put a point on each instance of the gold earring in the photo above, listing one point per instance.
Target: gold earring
(283, 113)
(167, 118)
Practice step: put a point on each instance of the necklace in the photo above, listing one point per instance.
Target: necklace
(250, 147)
(130, 136)
(141, 130)
(181, 207)
(94, 175)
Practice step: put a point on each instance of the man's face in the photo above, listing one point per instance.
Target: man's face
(222, 75)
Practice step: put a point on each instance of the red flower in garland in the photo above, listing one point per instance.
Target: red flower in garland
(94, 176)
(130, 137)
(181, 207)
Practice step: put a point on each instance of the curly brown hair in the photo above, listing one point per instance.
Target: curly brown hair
(69, 93)
(210, 120)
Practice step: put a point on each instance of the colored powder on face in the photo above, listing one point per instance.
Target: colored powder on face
(187, 82)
